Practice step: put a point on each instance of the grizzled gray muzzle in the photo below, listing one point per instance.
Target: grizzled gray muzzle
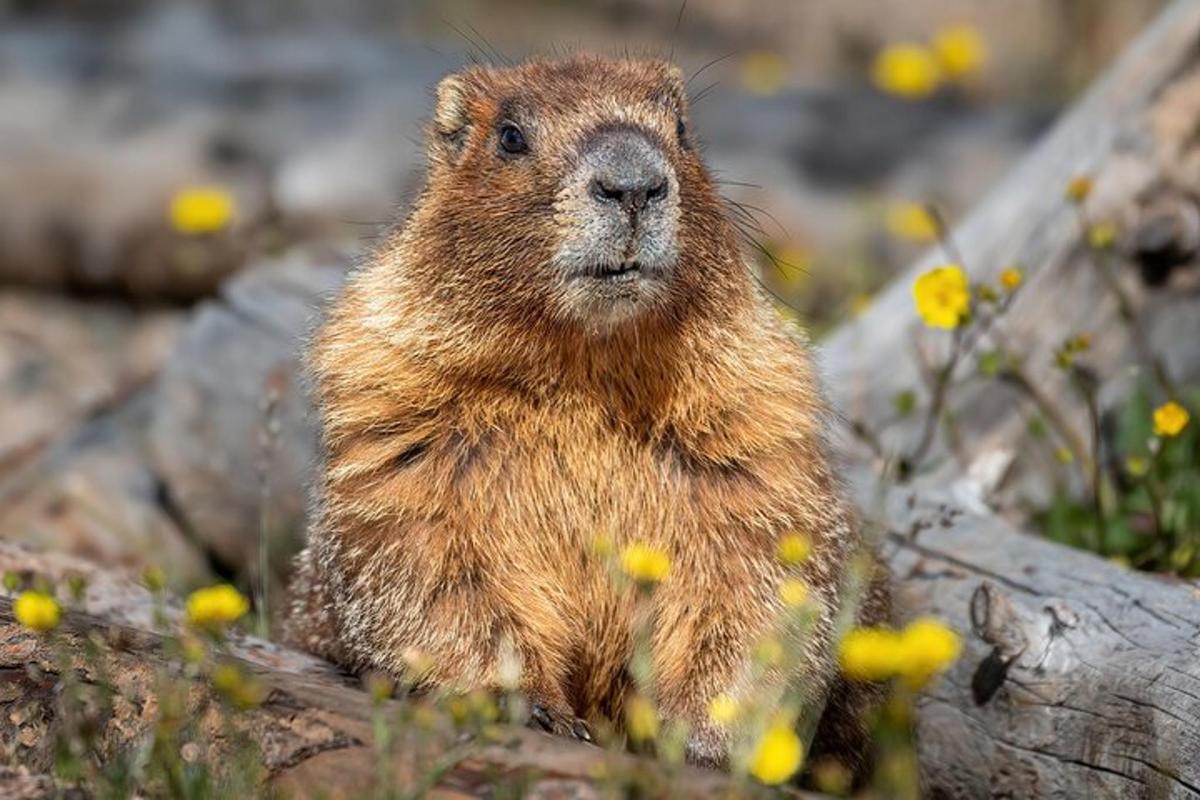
(621, 209)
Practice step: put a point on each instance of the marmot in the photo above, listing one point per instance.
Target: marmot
(564, 340)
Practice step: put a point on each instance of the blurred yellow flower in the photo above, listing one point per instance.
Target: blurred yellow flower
(870, 654)
(1170, 419)
(927, 647)
(907, 70)
(1011, 278)
(793, 549)
(960, 51)
(201, 209)
(240, 689)
(1102, 235)
(769, 652)
(37, 611)
(641, 719)
(722, 710)
(793, 592)
(1064, 455)
(764, 72)
(645, 564)
(832, 777)
(923, 649)
(912, 221)
(1079, 188)
(154, 579)
(216, 606)
(602, 546)
(943, 296)
(1137, 466)
(777, 756)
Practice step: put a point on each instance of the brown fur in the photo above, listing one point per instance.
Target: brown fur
(478, 438)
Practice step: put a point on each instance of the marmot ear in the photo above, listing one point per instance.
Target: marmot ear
(675, 88)
(451, 120)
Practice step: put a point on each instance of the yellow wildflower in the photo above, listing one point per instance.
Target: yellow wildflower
(777, 756)
(1137, 466)
(907, 70)
(986, 293)
(912, 221)
(942, 296)
(201, 209)
(764, 72)
(1079, 188)
(832, 777)
(1102, 235)
(793, 549)
(1064, 455)
(240, 689)
(641, 719)
(154, 579)
(793, 592)
(960, 51)
(37, 611)
(769, 652)
(870, 654)
(602, 545)
(927, 647)
(645, 564)
(216, 606)
(1170, 419)
(1011, 278)
(722, 710)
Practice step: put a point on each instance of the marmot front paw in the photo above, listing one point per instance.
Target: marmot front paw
(560, 724)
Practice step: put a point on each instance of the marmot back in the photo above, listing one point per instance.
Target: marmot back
(564, 341)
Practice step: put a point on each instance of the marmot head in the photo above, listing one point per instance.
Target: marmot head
(572, 191)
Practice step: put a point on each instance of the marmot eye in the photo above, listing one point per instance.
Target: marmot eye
(511, 139)
(681, 131)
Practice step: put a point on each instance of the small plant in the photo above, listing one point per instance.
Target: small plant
(1138, 464)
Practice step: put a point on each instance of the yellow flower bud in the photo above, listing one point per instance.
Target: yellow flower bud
(641, 719)
(645, 564)
(216, 607)
(722, 710)
(1170, 419)
(37, 611)
(201, 209)
(793, 592)
(943, 296)
(793, 549)
(777, 755)
(906, 70)
(960, 51)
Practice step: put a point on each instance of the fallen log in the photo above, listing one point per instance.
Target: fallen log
(1079, 678)
(314, 729)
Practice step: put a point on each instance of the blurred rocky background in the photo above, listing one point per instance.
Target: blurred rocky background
(182, 184)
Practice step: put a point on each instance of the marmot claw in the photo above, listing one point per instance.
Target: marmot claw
(542, 718)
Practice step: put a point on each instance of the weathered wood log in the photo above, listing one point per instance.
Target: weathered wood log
(1080, 678)
(1133, 134)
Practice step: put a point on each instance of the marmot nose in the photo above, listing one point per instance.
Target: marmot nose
(627, 170)
(633, 196)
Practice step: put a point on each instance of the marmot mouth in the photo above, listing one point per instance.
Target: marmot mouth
(623, 270)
